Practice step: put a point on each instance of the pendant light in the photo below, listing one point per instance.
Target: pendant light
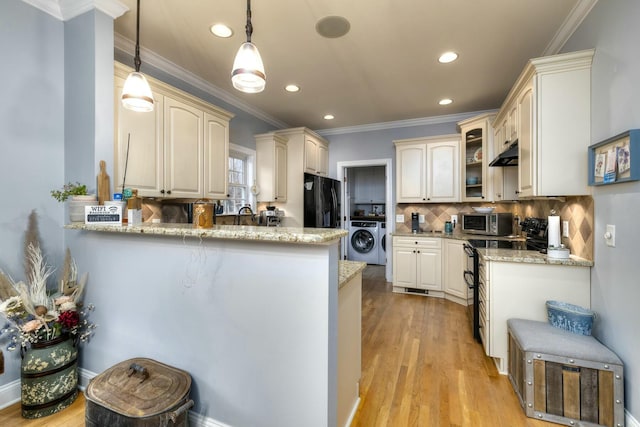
(248, 71)
(136, 94)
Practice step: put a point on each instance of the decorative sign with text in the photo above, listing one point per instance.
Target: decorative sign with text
(103, 215)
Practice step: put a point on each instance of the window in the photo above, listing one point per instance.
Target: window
(241, 176)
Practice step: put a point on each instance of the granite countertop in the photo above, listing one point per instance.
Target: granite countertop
(530, 257)
(316, 236)
(504, 255)
(347, 270)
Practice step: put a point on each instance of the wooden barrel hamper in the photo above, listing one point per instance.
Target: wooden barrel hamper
(49, 374)
(139, 392)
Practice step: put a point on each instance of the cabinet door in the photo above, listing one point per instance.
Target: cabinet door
(429, 269)
(404, 267)
(474, 154)
(310, 155)
(138, 147)
(183, 149)
(323, 159)
(216, 155)
(410, 173)
(443, 172)
(526, 160)
(455, 261)
(281, 172)
(497, 173)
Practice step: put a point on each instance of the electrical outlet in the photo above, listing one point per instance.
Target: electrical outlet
(454, 218)
(610, 235)
(421, 219)
(400, 218)
(565, 228)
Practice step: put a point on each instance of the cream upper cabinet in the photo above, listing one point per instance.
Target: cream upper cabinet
(316, 154)
(271, 168)
(216, 155)
(428, 169)
(180, 150)
(139, 147)
(476, 149)
(553, 120)
(504, 179)
(183, 149)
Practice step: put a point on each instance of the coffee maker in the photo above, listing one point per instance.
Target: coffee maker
(415, 222)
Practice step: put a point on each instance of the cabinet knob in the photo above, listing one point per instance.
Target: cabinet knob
(161, 191)
(168, 191)
(424, 198)
(428, 198)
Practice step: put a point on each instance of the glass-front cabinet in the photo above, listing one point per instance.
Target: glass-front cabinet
(476, 139)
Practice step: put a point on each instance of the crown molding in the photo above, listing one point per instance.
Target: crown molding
(127, 46)
(569, 26)
(403, 123)
(68, 9)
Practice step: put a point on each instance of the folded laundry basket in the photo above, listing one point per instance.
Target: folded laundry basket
(139, 392)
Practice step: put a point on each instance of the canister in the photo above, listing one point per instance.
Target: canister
(203, 214)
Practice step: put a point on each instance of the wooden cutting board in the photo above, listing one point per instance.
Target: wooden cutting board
(104, 186)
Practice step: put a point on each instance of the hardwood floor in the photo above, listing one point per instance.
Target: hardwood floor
(420, 367)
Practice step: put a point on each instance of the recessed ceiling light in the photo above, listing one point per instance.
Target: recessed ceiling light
(292, 88)
(329, 117)
(447, 57)
(445, 101)
(333, 27)
(221, 30)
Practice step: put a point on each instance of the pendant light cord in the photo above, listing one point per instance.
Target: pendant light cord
(136, 60)
(248, 27)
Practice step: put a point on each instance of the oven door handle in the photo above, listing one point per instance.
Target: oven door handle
(468, 275)
(471, 252)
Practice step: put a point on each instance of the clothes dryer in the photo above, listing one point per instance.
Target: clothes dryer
(382, 243)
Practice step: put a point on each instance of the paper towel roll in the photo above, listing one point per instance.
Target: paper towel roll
(553, 231)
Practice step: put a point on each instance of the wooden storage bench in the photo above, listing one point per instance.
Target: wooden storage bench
(563, 377)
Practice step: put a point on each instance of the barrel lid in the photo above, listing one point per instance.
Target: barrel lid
(139, 388)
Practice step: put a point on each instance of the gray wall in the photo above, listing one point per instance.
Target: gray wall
(31, 138)
(612, 29)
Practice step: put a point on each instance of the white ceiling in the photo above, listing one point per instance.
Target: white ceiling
(385, 69)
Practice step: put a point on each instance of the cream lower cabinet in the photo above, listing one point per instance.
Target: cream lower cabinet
(417, 264)
(180, 150)
(454, 262)
(428, 169)
(520, 290)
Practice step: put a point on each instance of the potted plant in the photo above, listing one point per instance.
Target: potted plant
(79, 199)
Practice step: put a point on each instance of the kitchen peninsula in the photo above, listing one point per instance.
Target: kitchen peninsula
(250, 312)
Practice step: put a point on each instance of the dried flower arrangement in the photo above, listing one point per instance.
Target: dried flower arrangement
(36, 314)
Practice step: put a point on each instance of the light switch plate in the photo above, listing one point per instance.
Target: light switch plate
(454, 218)
(400, 218)
(421, 219)
(565, 228)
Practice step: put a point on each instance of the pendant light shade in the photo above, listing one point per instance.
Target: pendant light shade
(136, 94)
(248, 70)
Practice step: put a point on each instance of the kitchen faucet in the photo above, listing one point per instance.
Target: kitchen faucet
(242, 210)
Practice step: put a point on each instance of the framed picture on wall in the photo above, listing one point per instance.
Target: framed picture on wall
(612, 160)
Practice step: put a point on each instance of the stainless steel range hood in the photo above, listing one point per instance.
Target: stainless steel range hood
(509, 157)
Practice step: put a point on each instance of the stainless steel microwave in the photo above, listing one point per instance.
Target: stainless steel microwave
(490, 224)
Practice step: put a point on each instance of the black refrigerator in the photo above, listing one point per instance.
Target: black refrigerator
(321, 202)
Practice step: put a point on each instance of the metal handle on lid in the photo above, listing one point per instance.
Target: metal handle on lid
(134, 368)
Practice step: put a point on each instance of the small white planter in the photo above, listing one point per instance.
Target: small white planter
(77, 204)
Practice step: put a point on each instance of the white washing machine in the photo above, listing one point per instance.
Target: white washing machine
(363, 242)
(382, 243)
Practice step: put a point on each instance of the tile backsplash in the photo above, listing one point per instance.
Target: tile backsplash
(578, 210)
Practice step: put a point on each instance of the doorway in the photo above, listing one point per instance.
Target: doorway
(366, 191)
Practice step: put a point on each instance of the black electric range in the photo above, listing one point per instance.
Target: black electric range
(536, 240)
